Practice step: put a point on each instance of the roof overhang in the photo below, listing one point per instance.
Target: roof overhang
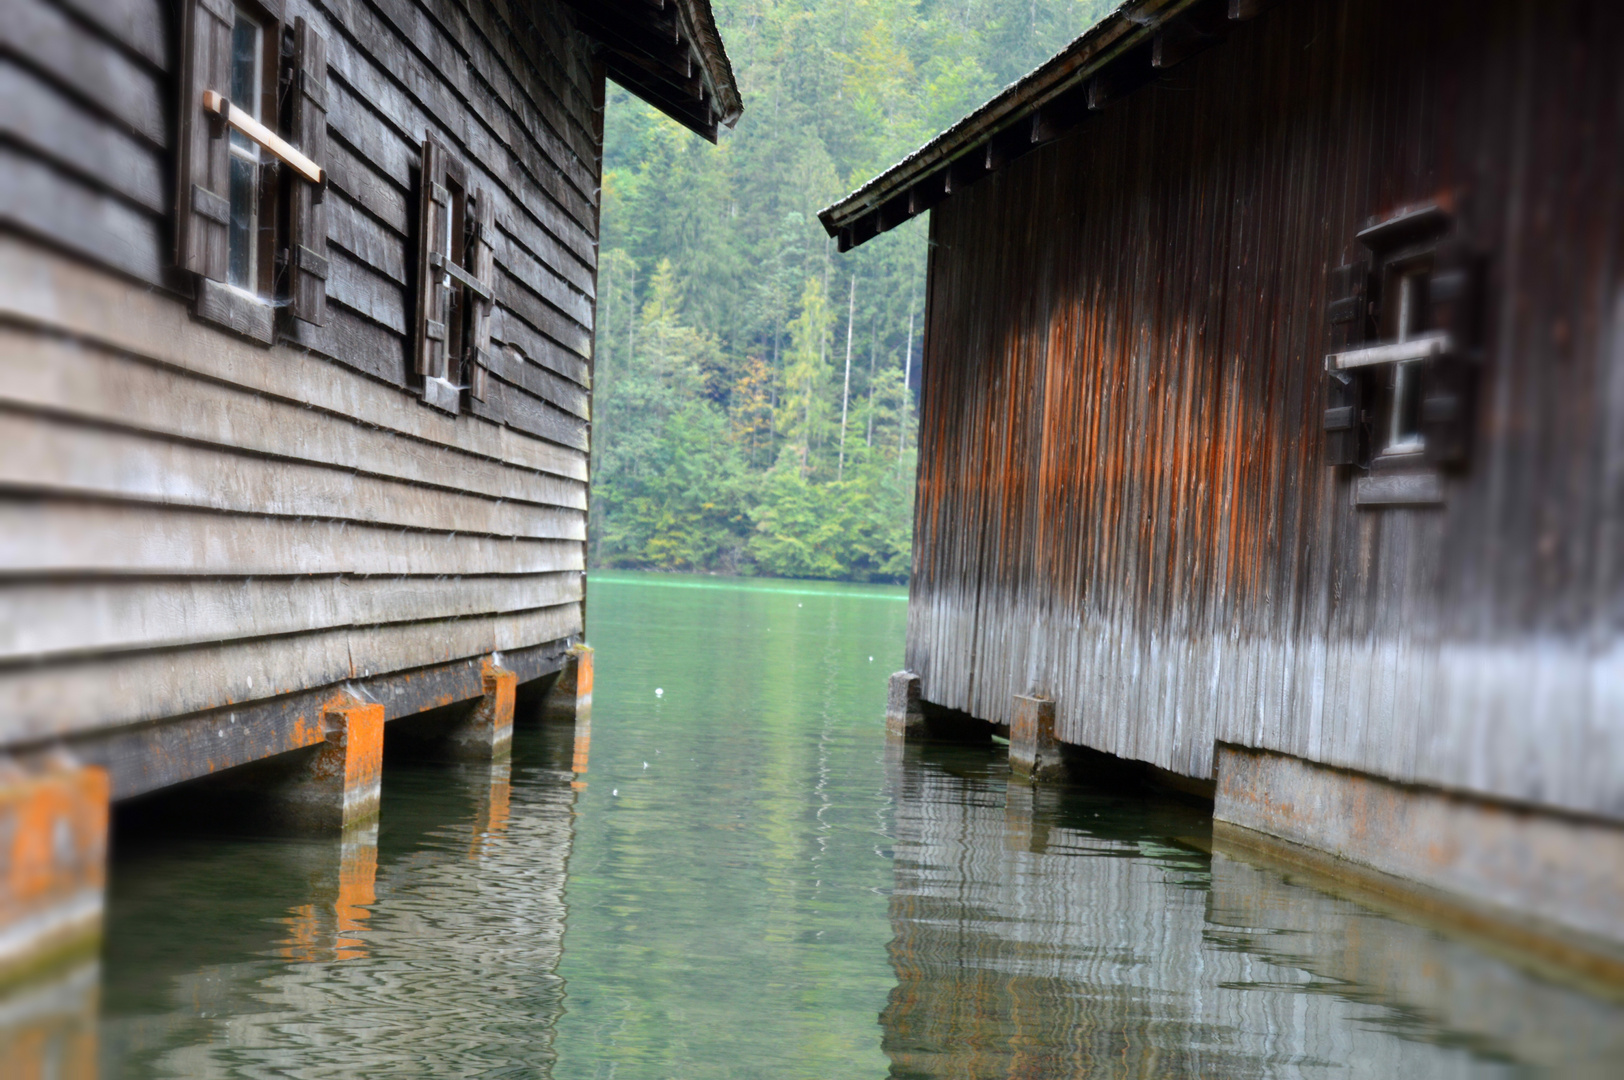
(1116, 56)
(667, 52)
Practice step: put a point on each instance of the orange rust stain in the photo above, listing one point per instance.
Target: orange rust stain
(305, 733)
(357, 729)
(319, 932)
(57, 843)
(583, 746)
(357, 891)
(501, 686)
(304, 932)
(583, 672)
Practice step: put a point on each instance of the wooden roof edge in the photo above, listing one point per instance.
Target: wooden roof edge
(713, 54)
(667, 52)
(1107, 61)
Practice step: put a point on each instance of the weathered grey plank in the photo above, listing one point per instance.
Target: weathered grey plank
(46, 203)
(98, 73)
(63, 537)
(100, 154)
(39, 288)
(136, 24)
(57, 457)
(363, 290)
(511, 366)
(382, 249)
(512, 294)
(538, 349)
(402, 90)
(70, 378)
(536, 417)
(66, 619)
(65, 699)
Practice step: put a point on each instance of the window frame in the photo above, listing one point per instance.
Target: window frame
(456, 298)
(261, 260)
(280, 219)
(1398, 393)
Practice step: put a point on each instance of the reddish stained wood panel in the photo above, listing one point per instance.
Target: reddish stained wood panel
(1122, 498)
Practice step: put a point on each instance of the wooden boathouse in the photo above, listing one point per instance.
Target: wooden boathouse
(296, 323)
(1273, 431)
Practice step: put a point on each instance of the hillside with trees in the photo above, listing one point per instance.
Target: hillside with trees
(754, 390)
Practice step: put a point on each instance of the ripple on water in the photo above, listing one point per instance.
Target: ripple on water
(743, 879)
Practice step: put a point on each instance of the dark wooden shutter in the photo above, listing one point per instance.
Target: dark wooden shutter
(482, 266)
(1348, 290)
(433, 297)
(204, 208)
(1448, 381)
(307, 213)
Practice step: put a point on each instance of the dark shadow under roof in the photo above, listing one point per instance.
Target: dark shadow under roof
(1113, 58)
(667, 52)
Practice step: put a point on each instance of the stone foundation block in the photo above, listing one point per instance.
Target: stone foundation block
(53, 862)
(337, 785)
(486, 734)
(1033, 749)
(1546, 881)
(904, 715)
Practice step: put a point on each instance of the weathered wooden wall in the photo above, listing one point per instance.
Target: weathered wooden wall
(189, 521)
(1123, 500)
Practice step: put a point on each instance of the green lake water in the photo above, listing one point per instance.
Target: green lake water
(735, 874)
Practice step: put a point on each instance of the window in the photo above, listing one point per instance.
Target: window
(253, 108)
(455, 269)
(247, 82)
(1402, 424)
(1399, 383)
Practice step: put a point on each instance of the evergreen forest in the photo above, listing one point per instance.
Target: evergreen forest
(755, 391)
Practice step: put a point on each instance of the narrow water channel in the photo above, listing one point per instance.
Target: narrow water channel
(733, 874)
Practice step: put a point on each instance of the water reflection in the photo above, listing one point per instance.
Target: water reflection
(425, 945)
(760, 885)
(48, 1026)
(1045, 933)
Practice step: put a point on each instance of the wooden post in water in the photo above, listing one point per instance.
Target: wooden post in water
(337, 786)
(904, 715)
(1033, 749)
(486, 732)
(571, 694)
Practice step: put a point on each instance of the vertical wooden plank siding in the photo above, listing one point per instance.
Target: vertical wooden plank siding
(1122, 498)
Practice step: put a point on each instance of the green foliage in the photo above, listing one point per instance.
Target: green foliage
(724, 313)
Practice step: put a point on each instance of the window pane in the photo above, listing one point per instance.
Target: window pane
(245, 65)
(243, 203)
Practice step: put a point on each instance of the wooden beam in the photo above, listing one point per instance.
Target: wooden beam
(282, 149)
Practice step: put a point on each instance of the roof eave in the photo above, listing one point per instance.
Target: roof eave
(1111, 59)
(669, 53)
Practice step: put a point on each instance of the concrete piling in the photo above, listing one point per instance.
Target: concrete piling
(904, 715)
(486, 732)
(337, 785)
(53, 856)
(1033, 749)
